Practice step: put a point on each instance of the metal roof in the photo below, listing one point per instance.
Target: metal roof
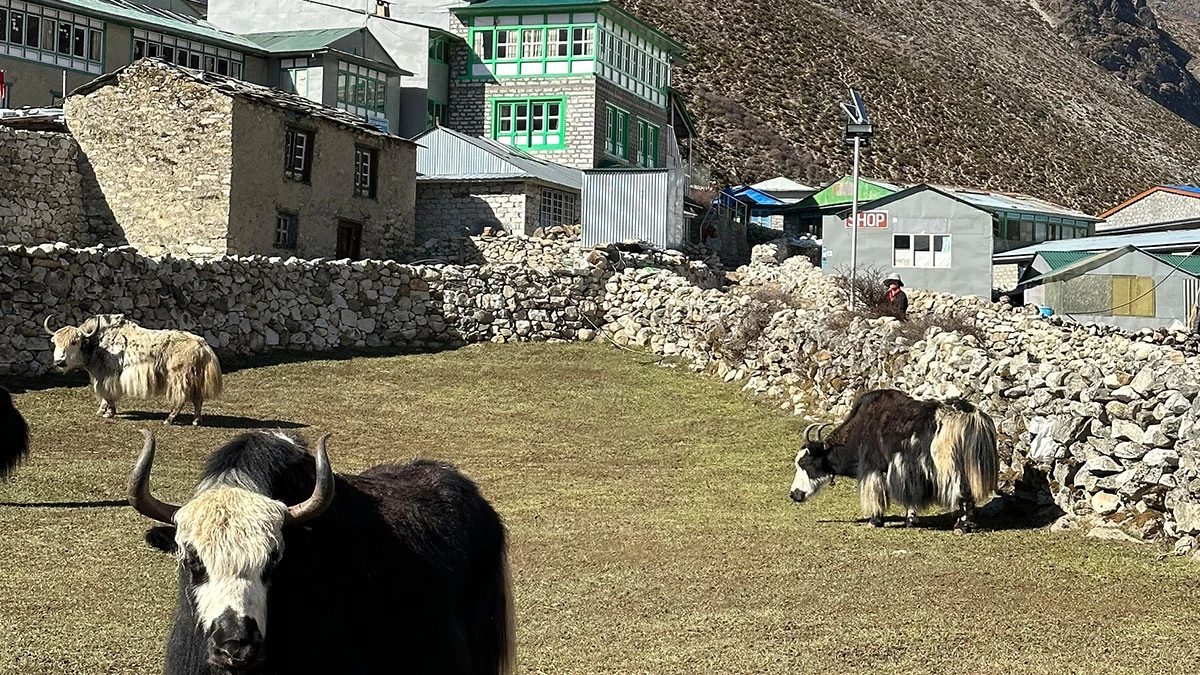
(1012, 201)
(155, 18)
(1060, 259)
(782, 184)
(1186, 188)
(236, 88)
(1186, 263)
(283, 42)
(1089, 261)
(1155, 242)
(447, 155)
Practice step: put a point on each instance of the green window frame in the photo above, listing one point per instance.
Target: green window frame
(532, 45)
(616, 135)
(647, 144)
(439, 49)
(435, 113)
(530, 123)
(53, 38)
(361, 89)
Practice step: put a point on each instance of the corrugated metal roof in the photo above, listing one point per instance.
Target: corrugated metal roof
(300, 40)
(238, 89)
(1011, 201)
(1176, 240)
(445, 154)
(1187, 263)
(1186, 188)
(1060, 259)
(782, 184)
(1083, 265)
(155, 18)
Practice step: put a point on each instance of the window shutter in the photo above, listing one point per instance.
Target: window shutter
(1143, 290)
(1121, 295)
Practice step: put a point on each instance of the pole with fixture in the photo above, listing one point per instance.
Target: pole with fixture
(858, 133)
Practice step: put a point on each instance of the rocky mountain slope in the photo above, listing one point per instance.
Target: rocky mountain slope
(983, 93)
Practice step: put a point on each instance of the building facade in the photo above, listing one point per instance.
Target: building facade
(1159, 204)
(580, 83)
(205, 166)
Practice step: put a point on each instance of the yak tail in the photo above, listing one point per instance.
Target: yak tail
(964, 453)
(14, 435)
(193, 373)
(491, 635)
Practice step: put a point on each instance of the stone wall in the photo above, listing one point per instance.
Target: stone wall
(638, 109)
(162, 155)
(47, 192)
(1159, 207)
(445, 209)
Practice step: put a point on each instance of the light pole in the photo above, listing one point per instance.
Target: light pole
(858, 134)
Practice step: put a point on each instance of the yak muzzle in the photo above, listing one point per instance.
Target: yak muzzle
(61, 364)
(798, 496)
(235, 643)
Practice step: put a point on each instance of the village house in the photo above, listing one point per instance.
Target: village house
(1162, 207)
(50, 47)
(197, 164)
(942, 239)
(478, 183)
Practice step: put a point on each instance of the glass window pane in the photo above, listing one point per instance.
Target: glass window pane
(16, 31)
(95, 45)
(168, 53)
(78, 47)
(49, 28)
(3, 24)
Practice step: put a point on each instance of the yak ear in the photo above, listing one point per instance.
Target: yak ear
(162, 537)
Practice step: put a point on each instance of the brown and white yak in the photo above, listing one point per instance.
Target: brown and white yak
(124, 359)
(14, 435)
(914, 453)
(286, 568)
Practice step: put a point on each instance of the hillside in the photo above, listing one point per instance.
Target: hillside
(975, 92)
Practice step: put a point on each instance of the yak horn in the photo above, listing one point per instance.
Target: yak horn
(46, 324)
(322, 495)
(88, 335)
(139, 486)
(821, 429)
(808, 432)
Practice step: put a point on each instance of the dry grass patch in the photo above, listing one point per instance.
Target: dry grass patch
(651, 530)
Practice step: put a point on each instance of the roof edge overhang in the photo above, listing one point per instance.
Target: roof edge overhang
(665, 41)
(234, 41)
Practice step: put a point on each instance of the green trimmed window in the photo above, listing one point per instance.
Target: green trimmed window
(647, 144)
(530, 123)
(439, 49)
(361, 89)
(435, 113)
(616, 136)
(534, 45)
(50, 36)
(632, 62)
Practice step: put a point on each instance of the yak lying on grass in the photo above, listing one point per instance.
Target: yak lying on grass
(288, 569)
(915, 453)
(14, 435)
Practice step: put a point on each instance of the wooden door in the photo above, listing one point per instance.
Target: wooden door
(349, 240)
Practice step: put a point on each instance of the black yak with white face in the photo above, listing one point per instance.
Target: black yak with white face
(915, 453)
(14, 435)
(288, 569)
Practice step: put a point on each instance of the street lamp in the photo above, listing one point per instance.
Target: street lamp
(858, 134)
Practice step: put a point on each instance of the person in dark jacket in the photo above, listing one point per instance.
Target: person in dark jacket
(896, 295)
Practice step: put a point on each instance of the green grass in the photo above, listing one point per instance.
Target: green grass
(650, 525)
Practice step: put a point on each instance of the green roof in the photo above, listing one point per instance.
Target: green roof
(1060, 259)
(547, 6)
(153, 18)
(1187, 263)
(286, 42)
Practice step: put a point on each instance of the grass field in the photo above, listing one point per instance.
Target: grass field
(650, 526)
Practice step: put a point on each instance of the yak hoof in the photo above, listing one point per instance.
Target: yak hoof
(876, 521)
(964, 527)
(910, 521)
(168, 421)
(196, 422)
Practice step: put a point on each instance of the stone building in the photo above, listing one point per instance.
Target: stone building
(1161, 204)
(197, 164)
(580, 83)
(473, 183)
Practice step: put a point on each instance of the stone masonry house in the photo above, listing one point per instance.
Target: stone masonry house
(473, 183)
(197, 164)
(578, 82)
(1160, 204)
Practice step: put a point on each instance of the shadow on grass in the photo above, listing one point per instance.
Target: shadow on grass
(66, 505)
(999, 515)
(214, 421)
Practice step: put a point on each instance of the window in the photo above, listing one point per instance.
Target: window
(921, 250)
(294, 76)
(366, 161)
(438, 48)
(648, 144)
(1133, 296)
(361, 90)
(48, 36)
(760, 217)
(558, 208)
(435, 113)
(298, 152)
(194, 55)
(533, 45)
(285, 229)
(616, 137)
(633, 63)
(535, 123)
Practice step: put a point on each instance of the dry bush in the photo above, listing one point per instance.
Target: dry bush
(754, 319)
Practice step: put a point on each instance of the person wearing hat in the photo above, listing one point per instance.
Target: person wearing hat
(895, 295)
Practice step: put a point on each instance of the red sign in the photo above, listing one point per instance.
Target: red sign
(873, 219)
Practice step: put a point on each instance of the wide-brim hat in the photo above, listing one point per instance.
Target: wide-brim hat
(894, 277)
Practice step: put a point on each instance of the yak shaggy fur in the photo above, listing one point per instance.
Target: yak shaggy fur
(124, 359)
(14, 435)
